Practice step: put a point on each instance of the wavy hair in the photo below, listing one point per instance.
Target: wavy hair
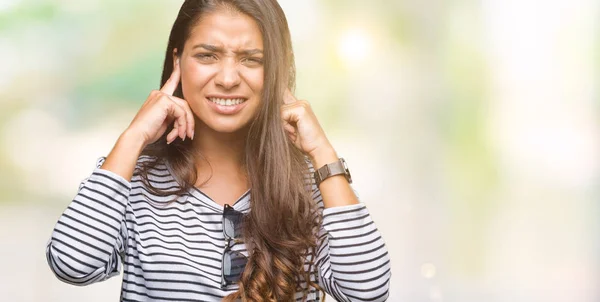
(281, 229)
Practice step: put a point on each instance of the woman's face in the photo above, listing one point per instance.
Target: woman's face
(222, 70)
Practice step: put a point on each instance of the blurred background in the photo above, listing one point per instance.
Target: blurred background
(472, 130)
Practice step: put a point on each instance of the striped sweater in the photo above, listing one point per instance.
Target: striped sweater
(173, 251)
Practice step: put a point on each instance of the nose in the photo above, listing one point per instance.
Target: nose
(228, 76)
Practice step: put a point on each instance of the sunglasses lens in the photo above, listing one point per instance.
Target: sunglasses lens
(232, 223)
(233, 266)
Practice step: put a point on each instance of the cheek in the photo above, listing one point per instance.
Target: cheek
(255, 81)
(195, 75)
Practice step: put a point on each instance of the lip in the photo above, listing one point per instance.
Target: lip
(223, 96)
(227, 110)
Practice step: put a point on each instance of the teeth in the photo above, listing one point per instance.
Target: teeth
(226, 102)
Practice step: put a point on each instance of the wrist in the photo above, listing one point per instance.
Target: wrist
(322, 156)
(131, 141)
(123, 158)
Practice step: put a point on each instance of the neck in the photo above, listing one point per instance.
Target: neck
(224, 151)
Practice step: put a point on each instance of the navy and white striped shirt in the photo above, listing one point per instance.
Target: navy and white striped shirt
(173, 251)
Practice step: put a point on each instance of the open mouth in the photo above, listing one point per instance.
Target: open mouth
(227, 105)
(227, 102)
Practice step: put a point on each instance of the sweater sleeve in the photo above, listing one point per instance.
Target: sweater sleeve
(88, 240)
(352, 259)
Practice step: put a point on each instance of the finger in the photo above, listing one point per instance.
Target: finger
(289, 128)
(172, 135)
(293, 138)
(288, 97)
(179, 114)
(291, 114)
(180, 119)
(171, 84)
(189, 115)
(153, 96)
(180, 129)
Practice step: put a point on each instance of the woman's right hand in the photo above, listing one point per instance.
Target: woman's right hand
(161, 109)
(150, 123)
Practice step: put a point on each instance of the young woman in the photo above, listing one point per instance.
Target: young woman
(210, 193)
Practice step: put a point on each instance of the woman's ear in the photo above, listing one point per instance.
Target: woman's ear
(175, 57)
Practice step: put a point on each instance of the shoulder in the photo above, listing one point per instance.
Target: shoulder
(153, 169)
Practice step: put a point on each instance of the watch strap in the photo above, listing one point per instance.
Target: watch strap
(336, 168)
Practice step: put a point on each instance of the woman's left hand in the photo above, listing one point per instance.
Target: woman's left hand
(302, 127)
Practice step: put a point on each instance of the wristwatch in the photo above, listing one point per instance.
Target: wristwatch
(335, 168)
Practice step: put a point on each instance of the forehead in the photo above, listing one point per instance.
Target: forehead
(227, 29)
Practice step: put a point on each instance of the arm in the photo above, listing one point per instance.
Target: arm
(352, 260)
(90, 236)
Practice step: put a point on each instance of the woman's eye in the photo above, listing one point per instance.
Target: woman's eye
(252, 61)
(206, 57)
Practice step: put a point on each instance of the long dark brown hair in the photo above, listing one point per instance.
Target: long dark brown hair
(281, 228)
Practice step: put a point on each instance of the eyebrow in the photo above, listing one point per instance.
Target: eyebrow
(214, 48)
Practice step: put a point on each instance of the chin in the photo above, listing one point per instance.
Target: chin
(228, 127)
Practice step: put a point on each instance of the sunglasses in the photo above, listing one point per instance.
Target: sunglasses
(233, 262)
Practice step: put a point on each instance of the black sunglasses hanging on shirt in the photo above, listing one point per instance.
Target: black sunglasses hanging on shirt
(233, 263)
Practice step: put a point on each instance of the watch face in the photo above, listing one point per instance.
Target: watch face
(348, 176)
